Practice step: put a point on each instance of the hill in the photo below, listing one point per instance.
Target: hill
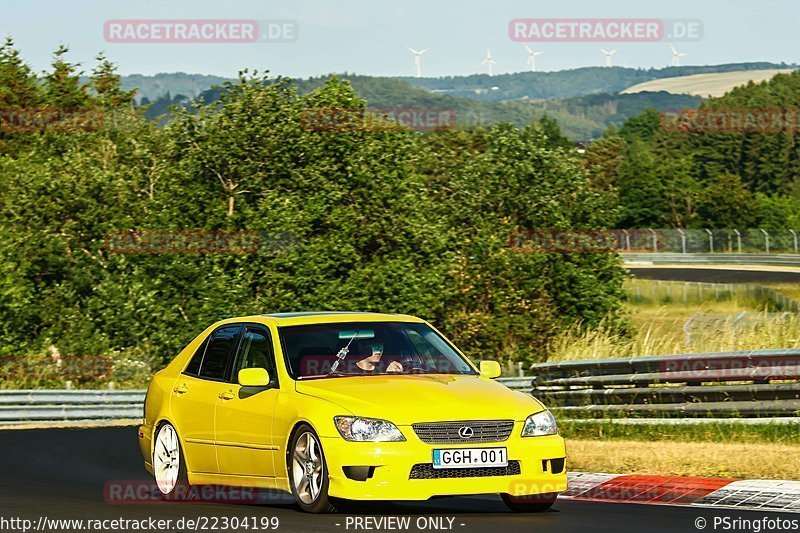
(705, 85)
(520, 85)
(567, 83)
(581, 118)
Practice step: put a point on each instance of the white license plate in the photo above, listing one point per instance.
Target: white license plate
(470, 457)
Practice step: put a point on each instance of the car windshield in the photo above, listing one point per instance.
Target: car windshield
(368, 348)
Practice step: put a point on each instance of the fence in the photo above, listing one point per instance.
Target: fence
(698, 292)
(729, 241)
(763, 383)
(649, 240)
(59, 406)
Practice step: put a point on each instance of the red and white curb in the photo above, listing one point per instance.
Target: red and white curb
(765, 495)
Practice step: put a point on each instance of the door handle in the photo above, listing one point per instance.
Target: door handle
(227, 395)
(182, 388)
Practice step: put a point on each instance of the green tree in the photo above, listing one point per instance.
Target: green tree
(726, 203)
(62, 88)
(18, 84)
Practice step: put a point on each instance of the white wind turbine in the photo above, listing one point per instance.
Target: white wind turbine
(676, 56)
(531, 63)
(489, 61)
(608, 55)
(417, 60)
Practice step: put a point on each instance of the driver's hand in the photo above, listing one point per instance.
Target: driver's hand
(394, 366)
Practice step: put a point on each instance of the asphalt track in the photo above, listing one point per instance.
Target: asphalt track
(61, 473)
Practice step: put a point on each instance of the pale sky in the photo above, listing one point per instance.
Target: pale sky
(369, 36)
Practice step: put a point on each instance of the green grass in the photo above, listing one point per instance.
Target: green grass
(658, 314)
(713, 432)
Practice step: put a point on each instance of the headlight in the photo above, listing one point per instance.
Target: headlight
(540, 424)
(358, 429)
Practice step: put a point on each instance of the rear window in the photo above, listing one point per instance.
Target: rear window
(220, 349)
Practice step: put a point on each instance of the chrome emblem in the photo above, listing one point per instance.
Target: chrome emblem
(466, 432)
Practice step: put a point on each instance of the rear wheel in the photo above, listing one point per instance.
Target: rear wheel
(308, 474)
(169, 468)
(536, 503)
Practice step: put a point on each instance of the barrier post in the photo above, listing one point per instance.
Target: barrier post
(738, 240)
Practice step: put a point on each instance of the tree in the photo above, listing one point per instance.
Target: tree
(107, 85)
(62, 88)
(726, 203)
(19, 87)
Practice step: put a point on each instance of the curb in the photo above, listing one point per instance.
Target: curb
(762, 494)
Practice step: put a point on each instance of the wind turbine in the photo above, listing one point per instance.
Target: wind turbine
(531, 64)
(417, 61)
(608, 55)
(489, 61)
(676, 56)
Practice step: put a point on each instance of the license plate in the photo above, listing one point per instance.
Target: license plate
(470, 457)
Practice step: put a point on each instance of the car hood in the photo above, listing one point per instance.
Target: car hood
(406, 399)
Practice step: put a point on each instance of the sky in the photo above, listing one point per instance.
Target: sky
(370, 36)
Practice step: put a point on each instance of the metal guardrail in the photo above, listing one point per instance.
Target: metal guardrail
(59, 406)
(787, 260)
(761, 383)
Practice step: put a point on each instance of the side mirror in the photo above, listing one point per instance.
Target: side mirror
(253, 377)
(490, 369)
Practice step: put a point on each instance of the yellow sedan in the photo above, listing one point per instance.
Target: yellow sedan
(346, 406)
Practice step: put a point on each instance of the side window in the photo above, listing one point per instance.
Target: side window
(194, 365)
(255, 351)
(220, 348)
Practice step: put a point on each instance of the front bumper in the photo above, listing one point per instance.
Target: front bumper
(393, 462)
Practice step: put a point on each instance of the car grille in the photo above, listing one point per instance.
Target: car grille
(426, 471)
(448, 432)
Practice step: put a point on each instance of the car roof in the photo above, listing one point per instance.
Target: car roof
(323, 317)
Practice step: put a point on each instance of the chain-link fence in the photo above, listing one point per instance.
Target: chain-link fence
(648, 240)
(730, 241)
(696, 293)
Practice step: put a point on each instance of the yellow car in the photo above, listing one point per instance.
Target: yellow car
(346, 406)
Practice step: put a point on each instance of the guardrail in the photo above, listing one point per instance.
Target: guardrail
(788, 260)
(747, 384)
(763, 383)
(59, 406)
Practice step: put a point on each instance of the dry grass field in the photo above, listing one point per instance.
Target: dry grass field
(709, 459)
(705, 84)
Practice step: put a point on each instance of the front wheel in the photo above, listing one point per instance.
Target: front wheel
(308, 474)
(536, 503)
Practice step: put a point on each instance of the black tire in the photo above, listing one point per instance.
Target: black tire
(536, 503)
(322, 503)
(182, 491)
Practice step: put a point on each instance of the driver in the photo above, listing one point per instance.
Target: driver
(372, 362)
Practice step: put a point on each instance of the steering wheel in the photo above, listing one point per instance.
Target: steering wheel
(412, 365)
